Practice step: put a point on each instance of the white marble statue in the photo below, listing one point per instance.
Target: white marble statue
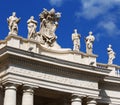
(111, 54)
(89, 43)
(49, 22)
(32, 25)
(76, 40)
(13, 23)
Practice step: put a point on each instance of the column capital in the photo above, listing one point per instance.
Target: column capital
(28, 95)
(11, 86)
(29, 88)
(91, 102)
(76, 97)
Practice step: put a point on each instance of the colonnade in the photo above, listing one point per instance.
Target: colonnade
(77, 100)
(28, 96)
(11, 92)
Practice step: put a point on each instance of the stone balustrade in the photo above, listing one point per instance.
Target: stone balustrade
(61, 53)
(115, 68)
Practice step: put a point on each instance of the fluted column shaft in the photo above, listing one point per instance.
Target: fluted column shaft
(28, 96)
(10, 95)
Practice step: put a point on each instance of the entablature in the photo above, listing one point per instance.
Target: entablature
(26, 57)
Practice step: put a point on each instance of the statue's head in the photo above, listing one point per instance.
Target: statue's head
(14, 14)
(32, 17)
(75, 31)
(90, 33)
(110, 45)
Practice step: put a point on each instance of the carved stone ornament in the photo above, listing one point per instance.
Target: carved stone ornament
(111, 54)
(76, 40)
(32, 25)
(13, 23)
(49, 22)
(89, 43)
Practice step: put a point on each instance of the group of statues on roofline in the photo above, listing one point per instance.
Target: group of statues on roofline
(49, 22)
(89, 42)
(89, 45)
(46, 35)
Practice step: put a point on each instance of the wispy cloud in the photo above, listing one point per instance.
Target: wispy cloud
(97, 36)
(56, 2)
(105, 12)
(93, 8)
(110, 27)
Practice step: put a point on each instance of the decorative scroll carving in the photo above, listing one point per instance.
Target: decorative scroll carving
(49, 22)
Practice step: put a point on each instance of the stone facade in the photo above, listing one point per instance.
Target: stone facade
(36, 73)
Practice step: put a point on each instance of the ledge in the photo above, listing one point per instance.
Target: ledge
(54, 61)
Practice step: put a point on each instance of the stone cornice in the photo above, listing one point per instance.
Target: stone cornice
(102, 65)
(54, 61)
(112, 79)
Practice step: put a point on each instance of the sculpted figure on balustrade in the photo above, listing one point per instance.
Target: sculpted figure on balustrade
(32, 25)
(76, 40)
(13, 23)
(89, 43)
(111, 54)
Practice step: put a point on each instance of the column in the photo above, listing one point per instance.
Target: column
(10, 95)
(76, 100)
(28, 96)
(91, 102)
(1, 96)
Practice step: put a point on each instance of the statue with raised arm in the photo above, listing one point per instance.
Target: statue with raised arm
(49, 22)
(89, 43)
(13, 23)
(32, 25)
(111, 54)
(76, 40)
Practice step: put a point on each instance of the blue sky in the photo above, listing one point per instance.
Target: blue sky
(102, 17)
